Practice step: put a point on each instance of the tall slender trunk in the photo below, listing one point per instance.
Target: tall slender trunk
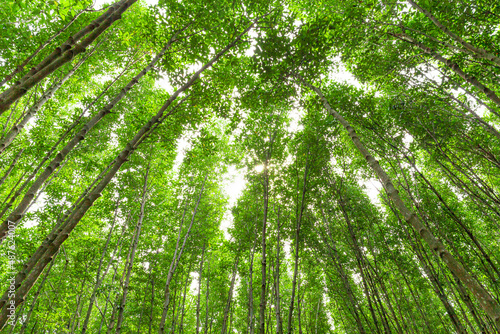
(21, 66)
(99, 278)
(472, 114)
(488, 303)
(64, 53)
(174, 302)
(298, 218)
(230, 295)
(458, 220)
(359, 257)
(199, 291)
(139, 322)
(299, 308)
(263, 299)
(17, 128)
(17, 316)
(51, 245)
(464, 295)
(12, 190)
(181, 324)
(132, 255)
(150, 328)
(108, 297)
(54, 147)
(175, 262)
(11, 167)
(251, 315)
(74, 322)
(332, 250)
(452, 66)
(478, 51)
(118, 297)
(279, 321)
(73, 219)
(26, 319)
(207, 300)
(316, 319)
(112, 318)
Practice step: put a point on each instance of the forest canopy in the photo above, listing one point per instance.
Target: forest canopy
(250, 166)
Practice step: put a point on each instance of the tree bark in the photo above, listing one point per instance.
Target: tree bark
(20, 67)
(11, 167)
(175, 261)
(99, 277)
(453, 66)
(230, 296)
(279, 321)
(297, 248)
(35, 299)
(207, 300)
(199, 291)
(332, 250)
(263, 299)
(480, 52)
(119, 322)
(16, 129)
(64, 53)
(182, 310)
(251, 315)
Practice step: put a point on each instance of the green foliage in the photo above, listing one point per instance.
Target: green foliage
(361, 268)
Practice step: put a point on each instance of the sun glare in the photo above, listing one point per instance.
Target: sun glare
(259, 168)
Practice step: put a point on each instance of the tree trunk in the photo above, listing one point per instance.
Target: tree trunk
(251, 315)
(453, 66)
(297, 248)
(182, 310)
(64, 53)
(152, 305)
(11, 167)
(117, 304)
(207, 297)
(332, 250)
(279, 321)
(230, 296)
(26, 320)
(175, 261)
(99, 277)
(20, 67)
(199, 291)
(132, 255)
(108, 297)
(263, 299)
(16, 129)
(480, 52)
